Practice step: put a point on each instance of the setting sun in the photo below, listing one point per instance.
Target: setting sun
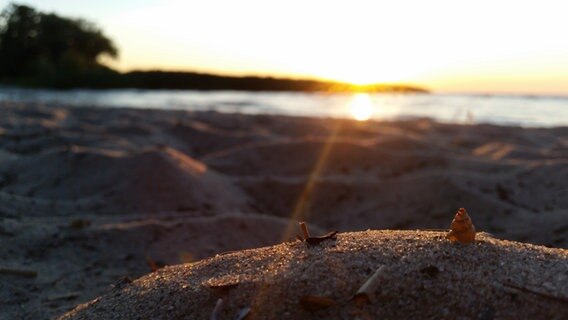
(361, 107)
(362, 42)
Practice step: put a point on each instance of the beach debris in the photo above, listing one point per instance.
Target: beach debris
(217, 310)
(315, 303)
(64, 296)
(22, 272)
(221, 290)
(317, 240)
(242, 314)
(313, 240)
(304, 229)
(462, 229)
(366, 292)
(227, 252)
(154, 266)
(512, 288)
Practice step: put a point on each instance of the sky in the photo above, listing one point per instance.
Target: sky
(446, 46)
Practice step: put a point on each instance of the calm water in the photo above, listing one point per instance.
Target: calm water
(519, 110)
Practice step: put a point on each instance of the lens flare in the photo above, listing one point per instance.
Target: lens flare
(361, 107)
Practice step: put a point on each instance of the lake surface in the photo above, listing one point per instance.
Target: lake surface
(528, 111)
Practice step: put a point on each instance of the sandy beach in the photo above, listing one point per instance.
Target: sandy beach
(420, 276)
(92, 199)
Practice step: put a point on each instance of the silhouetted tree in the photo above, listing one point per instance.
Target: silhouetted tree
(40, 44)
(44, 49)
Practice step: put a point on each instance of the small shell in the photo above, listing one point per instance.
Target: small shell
(462, 229)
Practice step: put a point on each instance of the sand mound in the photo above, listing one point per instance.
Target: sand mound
(300, 157)
(75, 264)
(426, 276)
(197, 138)
(153, 179)
(421, 200)
(177, 240)
(88, 194)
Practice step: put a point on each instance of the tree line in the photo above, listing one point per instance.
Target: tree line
(40, 49)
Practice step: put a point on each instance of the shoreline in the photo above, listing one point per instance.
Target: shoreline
(69, 102)
(448, 109)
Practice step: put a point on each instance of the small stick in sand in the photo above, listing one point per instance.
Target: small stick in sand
(242, 314)
(217, 310)
(305, 231)
(18, 272)
(65, 296)
(152, 264)
(527, 290)
(314, 240)
(366, 292)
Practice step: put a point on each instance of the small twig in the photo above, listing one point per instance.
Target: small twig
(313, 240)
(227, 252)
(242, 314)
(217, 310)
(305, 231)
(28, 273)
(542, 294)
(152, 264)
(367, 290)
(316, 240)
(65, 296)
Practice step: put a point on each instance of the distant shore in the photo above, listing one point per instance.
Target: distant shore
(103, 78)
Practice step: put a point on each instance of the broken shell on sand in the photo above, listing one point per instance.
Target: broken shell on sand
(462, 229)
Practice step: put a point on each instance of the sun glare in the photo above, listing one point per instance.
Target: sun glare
(361, 107)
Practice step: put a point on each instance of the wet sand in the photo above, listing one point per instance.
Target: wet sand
(89, 196)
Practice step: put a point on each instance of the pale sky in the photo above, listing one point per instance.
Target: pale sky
(447, 46)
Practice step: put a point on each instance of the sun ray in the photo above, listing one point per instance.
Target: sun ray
(302, 208)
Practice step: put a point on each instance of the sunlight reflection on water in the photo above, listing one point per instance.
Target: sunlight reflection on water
(361, 107)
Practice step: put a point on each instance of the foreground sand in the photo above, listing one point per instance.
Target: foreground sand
(427, 277)
(90, 196)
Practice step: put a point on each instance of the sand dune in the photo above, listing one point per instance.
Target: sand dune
(90, 179)
(90, 195)
(343, 157)
(198, 138)
(78, 262)
(425, 277)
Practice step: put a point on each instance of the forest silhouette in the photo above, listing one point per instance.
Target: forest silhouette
(40, 49)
